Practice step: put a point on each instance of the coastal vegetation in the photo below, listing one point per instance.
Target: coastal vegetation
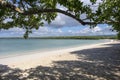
(68, 37)
(31, 14)
(81, 37)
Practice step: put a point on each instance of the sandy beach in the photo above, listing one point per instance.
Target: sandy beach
(45, 58)
(91, 62)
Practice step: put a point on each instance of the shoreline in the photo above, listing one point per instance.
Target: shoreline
(47, 50)
(46, 58)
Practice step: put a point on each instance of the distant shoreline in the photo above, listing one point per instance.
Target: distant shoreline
(68, 37)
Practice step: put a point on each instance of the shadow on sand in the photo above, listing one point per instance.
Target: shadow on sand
(93, 64)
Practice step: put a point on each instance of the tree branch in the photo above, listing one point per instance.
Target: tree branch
(37, 11)
(52, 11)
(6, 4)
(63, 12)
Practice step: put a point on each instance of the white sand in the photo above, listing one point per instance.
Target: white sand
(46, 58)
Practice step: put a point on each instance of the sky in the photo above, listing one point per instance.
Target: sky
(61, 26)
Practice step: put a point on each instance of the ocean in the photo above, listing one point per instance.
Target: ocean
(9, 47)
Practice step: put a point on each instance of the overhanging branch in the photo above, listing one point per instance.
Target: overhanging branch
(37, 11)
(60, 11)
(52, 11)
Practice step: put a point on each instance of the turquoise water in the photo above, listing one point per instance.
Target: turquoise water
(21, 46)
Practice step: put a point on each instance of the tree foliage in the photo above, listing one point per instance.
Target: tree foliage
(31, 14)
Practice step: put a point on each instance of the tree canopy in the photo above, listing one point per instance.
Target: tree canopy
(31, 14)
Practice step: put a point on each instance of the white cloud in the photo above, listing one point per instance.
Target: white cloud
(63, 21)
(88, 1)
(69, 31)
(96, 29)
(59, 31)
(58, 22)
(15, 29)
(47, 31)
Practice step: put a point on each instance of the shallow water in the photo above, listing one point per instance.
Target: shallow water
(21, 46)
